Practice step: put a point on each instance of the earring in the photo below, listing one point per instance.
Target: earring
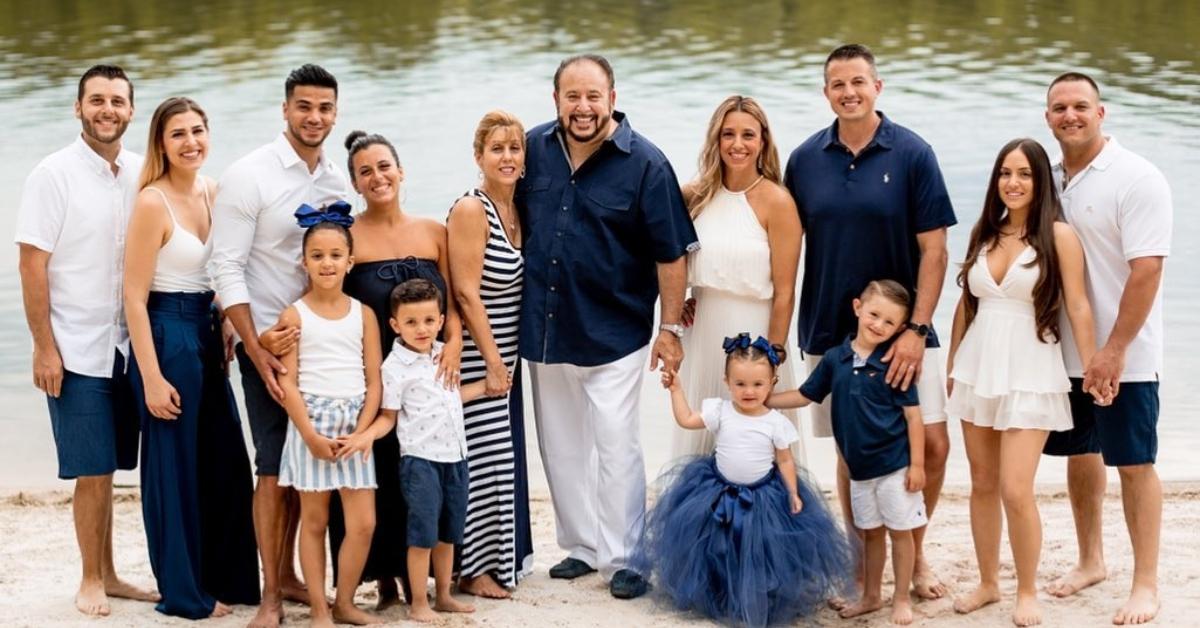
(481, 175)
(522, 176)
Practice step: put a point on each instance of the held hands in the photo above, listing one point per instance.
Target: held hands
(1102, 375)
(358, 442)
(48, 370)
(499, 380)
(162, 400)
(670, 379)
(795, 503)
(667, 348)
(904, 360)
(914, 480)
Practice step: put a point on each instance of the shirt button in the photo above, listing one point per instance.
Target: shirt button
(564, 208)
(572, 181)
(554, 262)
(553, 289)
(558, 233)
(550, 315)
(852, 166)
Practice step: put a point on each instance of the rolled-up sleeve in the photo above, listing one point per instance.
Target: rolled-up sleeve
(42, 211)
(664, 214)
(235, 216)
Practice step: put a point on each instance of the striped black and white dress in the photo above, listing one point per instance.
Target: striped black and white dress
(495, 446)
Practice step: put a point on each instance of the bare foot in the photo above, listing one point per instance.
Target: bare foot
(925, 584)
(389, 595)
(220, 610)
(448, 604)
(977, 599)
(863, 606)
(91, 600)
(293, 590)
(115, 587)
(837, 603)
(483, 586)
(269, 615)
(1028, 612)
(902, 613)
(351, 614)
(325, 621)
(1076, 580)
(1141, 607)
(422, 613)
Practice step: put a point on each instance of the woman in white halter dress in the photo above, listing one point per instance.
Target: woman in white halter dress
(743, 276)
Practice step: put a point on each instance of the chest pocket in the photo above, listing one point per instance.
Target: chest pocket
(613, 195)
(873, 387)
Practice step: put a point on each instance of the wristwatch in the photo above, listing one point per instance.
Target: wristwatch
(921, 330)
(676, 329)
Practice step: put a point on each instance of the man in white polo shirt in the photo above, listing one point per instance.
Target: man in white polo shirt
(71, 230)
(1120, 205)
(256, 269)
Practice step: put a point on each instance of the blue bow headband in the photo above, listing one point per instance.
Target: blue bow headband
(337, 212)
(742, 341)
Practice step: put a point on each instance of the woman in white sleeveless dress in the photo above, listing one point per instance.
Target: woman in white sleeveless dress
(1008, 385)
(743, 276)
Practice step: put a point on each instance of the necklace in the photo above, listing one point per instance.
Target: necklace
(506, 215)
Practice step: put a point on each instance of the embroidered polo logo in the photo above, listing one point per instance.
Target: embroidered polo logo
(886, 178)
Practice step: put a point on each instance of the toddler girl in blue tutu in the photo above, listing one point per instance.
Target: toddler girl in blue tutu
(740, 536)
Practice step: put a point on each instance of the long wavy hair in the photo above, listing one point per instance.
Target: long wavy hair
(1044, 211)
(712, 170)
(156, 164)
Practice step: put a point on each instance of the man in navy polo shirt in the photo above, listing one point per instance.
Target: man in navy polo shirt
(874, 206)
(607, 231)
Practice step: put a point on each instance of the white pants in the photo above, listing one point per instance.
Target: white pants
(587, 427)
(931, 392)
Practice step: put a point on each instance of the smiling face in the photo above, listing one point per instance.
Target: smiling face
(750, 383)
(185, 140)
(741, 141)
(105, 109)
(503, 157)
(327, 258)
(377, 176)
(1015, 181)
(310, 113)
(585, 101)
(851, 87)
(1074, 114)
(878, 319)
(418, 324)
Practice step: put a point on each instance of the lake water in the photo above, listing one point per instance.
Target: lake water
(966, 76)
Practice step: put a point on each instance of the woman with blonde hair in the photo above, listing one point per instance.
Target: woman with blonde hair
(486, 268)
(743, 276)
(195, 474)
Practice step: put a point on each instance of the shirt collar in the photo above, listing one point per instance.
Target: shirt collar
(288, 157)
(1101, 161)
(875, 360)
(94, 160)
(884, 134)
(621, 138)
(408, 356)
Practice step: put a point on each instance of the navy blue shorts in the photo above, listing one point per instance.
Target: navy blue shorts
(95, 423)
(268, 420)
(436, 493)
(1125, 433)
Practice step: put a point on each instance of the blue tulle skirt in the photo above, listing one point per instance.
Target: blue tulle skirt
(736, 553)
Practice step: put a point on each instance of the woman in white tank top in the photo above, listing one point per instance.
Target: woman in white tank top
(195, 474)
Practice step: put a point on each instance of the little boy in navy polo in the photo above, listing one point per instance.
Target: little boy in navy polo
(428, 419)
(881, 436)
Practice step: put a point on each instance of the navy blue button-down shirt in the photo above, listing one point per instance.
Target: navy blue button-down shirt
(593, 239)
(861, 217)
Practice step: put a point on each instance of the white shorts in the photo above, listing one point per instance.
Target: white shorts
(931, 391)
(884, 501)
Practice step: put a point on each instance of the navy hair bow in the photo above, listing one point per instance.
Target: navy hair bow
(742, 341)
(337, 212)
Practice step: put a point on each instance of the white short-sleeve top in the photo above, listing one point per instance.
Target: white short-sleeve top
(746, 444)
(76, 209)
(429, 418)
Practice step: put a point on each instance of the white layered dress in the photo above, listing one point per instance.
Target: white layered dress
(730, 278)
(1004, 376)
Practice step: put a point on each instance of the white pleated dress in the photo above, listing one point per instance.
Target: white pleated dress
(1004, 377)
(730, 278)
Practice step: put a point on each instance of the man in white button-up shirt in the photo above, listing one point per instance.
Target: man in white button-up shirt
(71, 230)
(255, 267)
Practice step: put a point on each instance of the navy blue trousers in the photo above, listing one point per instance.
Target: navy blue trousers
(197, 490)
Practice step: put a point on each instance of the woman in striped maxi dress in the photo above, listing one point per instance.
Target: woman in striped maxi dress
(486, 270)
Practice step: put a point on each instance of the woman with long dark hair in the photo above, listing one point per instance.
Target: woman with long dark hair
(1008, 385)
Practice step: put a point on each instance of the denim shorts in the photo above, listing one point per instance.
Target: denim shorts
(436, 493)
(1124, 433)
(95, 423)
(268, 420)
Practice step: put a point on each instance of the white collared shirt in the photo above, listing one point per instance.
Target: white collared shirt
(76, 209)
(429, 421)
(256, 240)
(1120, 205)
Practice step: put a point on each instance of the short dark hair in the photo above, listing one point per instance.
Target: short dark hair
(415, 291)
(309, 74)
(594, 58)
(847, 52)
(1074, 76)
(104, 71)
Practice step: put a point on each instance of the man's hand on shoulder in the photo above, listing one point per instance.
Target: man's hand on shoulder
(904, 360)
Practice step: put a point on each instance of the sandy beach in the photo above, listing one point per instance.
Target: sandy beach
(41, 570)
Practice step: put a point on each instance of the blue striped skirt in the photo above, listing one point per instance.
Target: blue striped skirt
(331, 417)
